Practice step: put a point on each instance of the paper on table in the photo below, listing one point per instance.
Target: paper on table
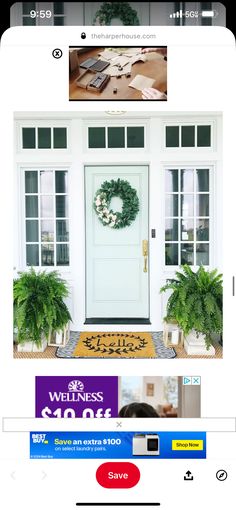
(141, 82)
(108, 54)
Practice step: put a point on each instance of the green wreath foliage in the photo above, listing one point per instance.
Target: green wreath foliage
(119, 188)
(122, 10)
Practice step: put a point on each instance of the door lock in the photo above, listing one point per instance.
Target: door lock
(145, 254)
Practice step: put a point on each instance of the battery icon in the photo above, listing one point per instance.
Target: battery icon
(208, 14)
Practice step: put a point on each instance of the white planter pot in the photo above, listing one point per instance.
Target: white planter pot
(196, 345)
(32, 347)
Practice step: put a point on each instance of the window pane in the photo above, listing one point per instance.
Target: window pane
(172, 136)
(188, 136)
(61, 207)
(202, 180)
(47, 254)
(58, 7)
(46, 207)
(172, 205)
(187, 180)
(171, 254)
(187, 254)
(116, 137)
(61, 182)
(44, 138)
(202, 230)
(96, 137)
(32, 231)
(62, 255)
(47, 231)
(28, 138)
(204, 136)
(202, 254)
(187, 230)
(59, 138)
(171, 180)
(171, 230)
(46, 181)
(32, 255)
(187, 205)
(58, 20)
(202, 205)
(62, 230)
(27, 21)
(31, 207)
(135, 136)
(27, 7)
(31, 182)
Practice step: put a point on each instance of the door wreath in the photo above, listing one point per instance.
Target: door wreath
(122, 10)
(130, 207)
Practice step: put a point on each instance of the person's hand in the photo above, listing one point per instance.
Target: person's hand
(162, 51)
(151, 93)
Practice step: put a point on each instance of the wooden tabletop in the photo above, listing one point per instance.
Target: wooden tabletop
(155, 68)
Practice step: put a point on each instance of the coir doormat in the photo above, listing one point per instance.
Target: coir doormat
(115, 345)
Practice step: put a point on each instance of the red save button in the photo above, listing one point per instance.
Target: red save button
(118, 475)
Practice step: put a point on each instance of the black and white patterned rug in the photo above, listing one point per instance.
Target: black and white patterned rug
(157, 337)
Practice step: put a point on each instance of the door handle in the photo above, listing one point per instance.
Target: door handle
(145, 254)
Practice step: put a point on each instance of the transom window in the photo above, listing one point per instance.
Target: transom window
(44, 138)
(119, 137)
(46, 217)
(187, 216)
(188, 136)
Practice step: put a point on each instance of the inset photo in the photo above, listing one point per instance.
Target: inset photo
(127, 73)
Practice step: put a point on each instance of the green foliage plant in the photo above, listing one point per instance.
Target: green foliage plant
(122, 10)
(39, 306)
(196, 301)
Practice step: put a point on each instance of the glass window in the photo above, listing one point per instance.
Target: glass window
(202, 180)
(28, 138)
(59, 138)
(58, 20)
(172, 136)
(202, 254)
(49, 231)
(172, 180)
(172, 230)
(61, 181)
(32, 234)
(187, 254)
(27, 7)
(31, 182)
(62, 227)
(31, 206)
(172, 205)
(58, 7)
(46, 206)
(28, 21)
(32, 254)
(188, 136)
(116, 137)
(135, 136)
(44, 138)
(97, 137)
(203, 136)
(62, 255)
(171, 255)
(187, 223)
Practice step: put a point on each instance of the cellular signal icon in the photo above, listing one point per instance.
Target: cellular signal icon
(178, 14)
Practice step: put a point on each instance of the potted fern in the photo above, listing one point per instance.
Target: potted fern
(39, 308)
(196, 304)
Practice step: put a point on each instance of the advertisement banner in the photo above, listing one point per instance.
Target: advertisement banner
(117, 445)
(76, 397)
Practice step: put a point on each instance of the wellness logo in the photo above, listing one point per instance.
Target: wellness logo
(76, 397)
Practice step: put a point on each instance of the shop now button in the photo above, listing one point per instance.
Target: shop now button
(118, 475)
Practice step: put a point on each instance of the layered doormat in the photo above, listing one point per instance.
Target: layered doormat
(115, 345)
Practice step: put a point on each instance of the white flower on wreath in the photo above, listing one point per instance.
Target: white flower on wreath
(112, 224)
(98, 201)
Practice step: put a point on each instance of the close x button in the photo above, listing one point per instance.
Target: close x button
(118, 475)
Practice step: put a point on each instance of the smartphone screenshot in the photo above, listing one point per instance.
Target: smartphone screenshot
(118, 268)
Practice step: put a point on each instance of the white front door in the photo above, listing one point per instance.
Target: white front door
(116, 284)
